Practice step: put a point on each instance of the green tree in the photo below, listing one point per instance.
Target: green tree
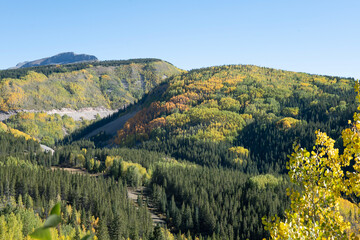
(14, 227)
(158, 234)
(133, 176)
(77, 233)
(103, 232)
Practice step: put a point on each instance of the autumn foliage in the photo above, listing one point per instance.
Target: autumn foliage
(84, 86)
(215, 104)
(324, 176)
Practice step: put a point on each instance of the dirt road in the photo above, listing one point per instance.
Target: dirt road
(76, 171)
(133, 194)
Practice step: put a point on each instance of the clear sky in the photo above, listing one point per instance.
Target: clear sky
(314, 36)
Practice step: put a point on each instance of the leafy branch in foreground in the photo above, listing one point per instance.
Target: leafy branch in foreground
(52, 221)
(314, 212)
(43, 233)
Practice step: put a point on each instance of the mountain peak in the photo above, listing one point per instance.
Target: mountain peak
(61, 58)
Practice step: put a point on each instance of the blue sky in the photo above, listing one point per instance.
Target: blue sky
(315, 36)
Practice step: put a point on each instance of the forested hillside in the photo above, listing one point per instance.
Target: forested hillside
(209, 147)
(28, 190)
(241, 115)
(196, 200)
(46, 128)
(108, 84)
(234, 126)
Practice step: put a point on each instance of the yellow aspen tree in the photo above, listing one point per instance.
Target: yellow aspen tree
(314, 212)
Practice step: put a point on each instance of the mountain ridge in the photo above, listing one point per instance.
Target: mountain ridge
(61, 58)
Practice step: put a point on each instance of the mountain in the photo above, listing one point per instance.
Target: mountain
(61, 58)
(215, 139)
(82, 91)
(243, 111)
(105, 84)
(225, 133)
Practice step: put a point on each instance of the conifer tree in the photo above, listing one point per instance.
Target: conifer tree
(103, 232)
(158, 234)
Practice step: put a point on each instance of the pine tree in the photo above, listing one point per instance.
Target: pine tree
(158, 234)
(116, 228)
(102, 231)
(77, 233)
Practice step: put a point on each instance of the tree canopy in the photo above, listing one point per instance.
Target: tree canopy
(325, 175)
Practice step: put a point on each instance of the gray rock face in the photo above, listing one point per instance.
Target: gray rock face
(62, 58)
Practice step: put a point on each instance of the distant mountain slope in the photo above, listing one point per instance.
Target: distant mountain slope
(108, 84)
(62, 58)
(44, 127)
(216, 115)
